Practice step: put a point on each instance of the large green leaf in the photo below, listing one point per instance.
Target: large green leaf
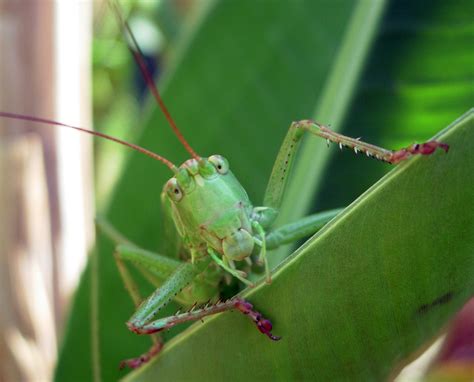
(361, 295)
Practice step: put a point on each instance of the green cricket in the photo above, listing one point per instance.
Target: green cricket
(219, 232)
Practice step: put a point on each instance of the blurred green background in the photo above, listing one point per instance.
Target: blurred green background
(234, 74)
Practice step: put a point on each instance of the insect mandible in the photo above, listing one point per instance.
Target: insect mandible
(217, 239)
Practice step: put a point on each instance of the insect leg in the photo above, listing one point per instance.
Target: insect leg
(389, 156)
(299, 229)
(136, 362)
(234, 272)
(279, 176)
(140, 321)
(263, 251)
(181, 277)
(264, 325)
(161, 267)
(155, 267)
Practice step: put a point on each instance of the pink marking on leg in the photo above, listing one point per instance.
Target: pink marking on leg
(426, 148)
(134, 363)
(263, 325)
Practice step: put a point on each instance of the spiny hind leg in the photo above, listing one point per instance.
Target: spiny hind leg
(155, 267)
(152, 265)
(263, 325)
(136, 362)
(389, 156)
(281, 168)
(140, 321)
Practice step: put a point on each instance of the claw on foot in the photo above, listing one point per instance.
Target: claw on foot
(426, 148)
(133, 363)
(264, 325)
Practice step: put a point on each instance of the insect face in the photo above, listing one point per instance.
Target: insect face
(210, 206)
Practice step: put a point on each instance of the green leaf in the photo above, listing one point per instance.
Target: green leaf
(360, 296)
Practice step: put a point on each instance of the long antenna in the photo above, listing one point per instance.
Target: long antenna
(151, 154)
(138, 55)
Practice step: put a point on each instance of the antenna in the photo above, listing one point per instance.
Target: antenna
(138, 56)
(151, 154)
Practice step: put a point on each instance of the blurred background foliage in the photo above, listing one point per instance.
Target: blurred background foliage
(119, 91)
(234, 75)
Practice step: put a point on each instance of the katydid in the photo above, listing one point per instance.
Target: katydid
(220, 231)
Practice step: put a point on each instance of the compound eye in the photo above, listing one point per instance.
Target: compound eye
(173, 190)
(220, 163)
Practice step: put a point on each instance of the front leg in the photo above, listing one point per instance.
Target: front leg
(146, 312)
(263, 325)
(279, 176)
(182, 275)
(230, 269)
